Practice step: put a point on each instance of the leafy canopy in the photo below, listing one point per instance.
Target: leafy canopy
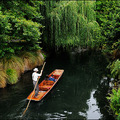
(19, 26)
(70, 23)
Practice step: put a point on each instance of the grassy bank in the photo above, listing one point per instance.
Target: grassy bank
(11, 67)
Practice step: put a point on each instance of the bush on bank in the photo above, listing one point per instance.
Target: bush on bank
(11, 67)
(114, 99)
(115, 69)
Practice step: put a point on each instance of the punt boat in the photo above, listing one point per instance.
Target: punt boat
(46, 85)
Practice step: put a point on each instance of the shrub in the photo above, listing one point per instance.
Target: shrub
(19, 20)
(115, 102)
(115, 68)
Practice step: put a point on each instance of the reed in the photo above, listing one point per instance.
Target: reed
(13, 62)
(40, 57)
(3, 77)
(11, 67)
(30, 60)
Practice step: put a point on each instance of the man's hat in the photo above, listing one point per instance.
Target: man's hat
(35, 69)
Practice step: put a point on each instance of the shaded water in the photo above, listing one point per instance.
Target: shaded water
(79, 94)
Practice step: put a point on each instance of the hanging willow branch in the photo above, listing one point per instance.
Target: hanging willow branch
(71, 23)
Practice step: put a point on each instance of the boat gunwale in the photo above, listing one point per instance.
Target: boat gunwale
(51, 86)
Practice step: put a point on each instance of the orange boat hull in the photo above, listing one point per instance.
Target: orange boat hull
(45, 86)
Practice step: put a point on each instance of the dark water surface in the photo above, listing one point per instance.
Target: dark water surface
(79, 94)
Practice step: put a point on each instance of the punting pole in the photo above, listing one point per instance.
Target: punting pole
(33, 90)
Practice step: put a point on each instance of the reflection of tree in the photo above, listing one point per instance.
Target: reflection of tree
(102, 90)
(82, 74)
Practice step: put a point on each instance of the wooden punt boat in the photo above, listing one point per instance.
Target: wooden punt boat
(46, 85)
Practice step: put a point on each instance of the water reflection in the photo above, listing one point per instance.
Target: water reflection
(76, 96)
(93, 111)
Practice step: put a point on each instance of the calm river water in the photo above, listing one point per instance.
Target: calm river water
(79, 94)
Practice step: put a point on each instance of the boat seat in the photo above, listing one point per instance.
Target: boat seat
(44, 88)
(48, 82)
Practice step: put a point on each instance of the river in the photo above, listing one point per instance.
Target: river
(79, 94)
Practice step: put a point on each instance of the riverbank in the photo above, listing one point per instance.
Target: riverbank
(114, 82)
(11, 67)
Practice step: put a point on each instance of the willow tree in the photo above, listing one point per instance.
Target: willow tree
(70, 23)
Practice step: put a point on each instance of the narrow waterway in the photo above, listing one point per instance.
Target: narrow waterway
(79, 94)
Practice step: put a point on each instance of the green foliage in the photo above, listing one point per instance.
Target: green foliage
(70, 23)
(108, 17)
(19, 20)
(116, 45)
(12, 76)
(5, 27)
(115, 68)
(115, 102)
(27, 29)
(44, 55)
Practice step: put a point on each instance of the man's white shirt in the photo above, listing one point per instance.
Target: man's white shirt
(35, 76)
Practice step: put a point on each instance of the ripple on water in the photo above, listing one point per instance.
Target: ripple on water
(82, 114)
(55, 115)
